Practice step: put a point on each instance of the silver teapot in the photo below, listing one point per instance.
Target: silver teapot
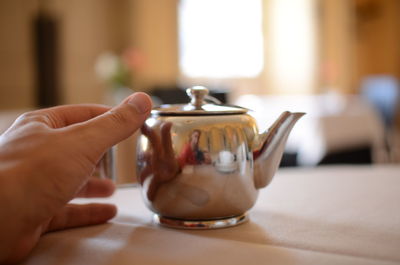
(201, 164)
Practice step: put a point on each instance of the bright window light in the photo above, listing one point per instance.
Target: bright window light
(292, 29)
(221, 38)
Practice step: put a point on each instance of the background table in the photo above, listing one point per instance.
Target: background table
(324, 215)
(333, 123)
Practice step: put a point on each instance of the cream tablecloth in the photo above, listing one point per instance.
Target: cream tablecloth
(326, 215)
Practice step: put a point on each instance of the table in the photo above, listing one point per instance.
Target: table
(322, 215)
(333, 123)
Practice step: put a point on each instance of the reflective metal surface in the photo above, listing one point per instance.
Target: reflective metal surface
(106, 167)
(269, 148)
(202, 167)
(201, 104)
(200, 224)
(196, 168)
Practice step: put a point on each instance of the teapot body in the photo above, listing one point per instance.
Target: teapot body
(214, 161)
(201, 164)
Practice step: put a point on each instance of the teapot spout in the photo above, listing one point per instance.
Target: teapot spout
(269, 147)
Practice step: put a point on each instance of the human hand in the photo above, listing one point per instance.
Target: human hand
(46, 159)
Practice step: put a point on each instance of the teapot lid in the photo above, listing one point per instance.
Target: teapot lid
(198, 105)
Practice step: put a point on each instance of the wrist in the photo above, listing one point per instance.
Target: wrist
(17, 226)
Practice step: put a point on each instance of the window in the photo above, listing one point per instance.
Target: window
(220, 38)
(293, 44)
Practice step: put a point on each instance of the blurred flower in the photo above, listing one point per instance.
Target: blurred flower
(106, 65)
(134, 59)
(119, 70)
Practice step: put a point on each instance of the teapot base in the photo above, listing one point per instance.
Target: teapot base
(200, 224)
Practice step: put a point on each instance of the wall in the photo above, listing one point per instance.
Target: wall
(87, 28)
(377, 42)
(16, 68)
(336, 38)
(358, 38)
(154, 31)
(350, 46)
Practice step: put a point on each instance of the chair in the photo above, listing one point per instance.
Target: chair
(383, 93)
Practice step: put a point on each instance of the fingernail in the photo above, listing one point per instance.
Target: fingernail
(141, 102)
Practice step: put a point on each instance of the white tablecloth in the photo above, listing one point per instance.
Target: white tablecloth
(333, 123)
(326, 215)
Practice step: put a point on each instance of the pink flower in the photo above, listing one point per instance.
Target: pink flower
(134, 59)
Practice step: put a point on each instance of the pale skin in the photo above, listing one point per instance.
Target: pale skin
(47, 158)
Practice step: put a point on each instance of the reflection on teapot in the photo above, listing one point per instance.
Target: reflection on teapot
(159, 161)
(226, 162)
(201, 165)
(191, 153)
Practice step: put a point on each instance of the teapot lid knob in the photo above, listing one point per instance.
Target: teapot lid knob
(201, 104)
(197, 95)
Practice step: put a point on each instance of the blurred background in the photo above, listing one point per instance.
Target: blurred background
(337, 60)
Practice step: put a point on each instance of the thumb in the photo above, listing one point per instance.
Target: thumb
(119, 123)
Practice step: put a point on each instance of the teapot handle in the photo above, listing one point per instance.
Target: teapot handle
(213, 100)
